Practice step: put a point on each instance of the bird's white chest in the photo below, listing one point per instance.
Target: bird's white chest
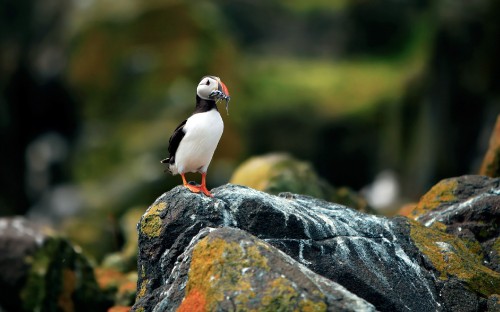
(202, 134)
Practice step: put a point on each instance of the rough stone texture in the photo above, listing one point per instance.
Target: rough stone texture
(467, 207)
(458, 268)
(491, 162)
(395, 264)
(493, 303)
(41, 272)
(227, 269)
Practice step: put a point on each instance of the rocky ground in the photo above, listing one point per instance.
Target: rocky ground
(245, 249)
(249, 250)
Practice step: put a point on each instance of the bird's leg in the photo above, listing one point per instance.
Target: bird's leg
(192, 188)
(203, 186)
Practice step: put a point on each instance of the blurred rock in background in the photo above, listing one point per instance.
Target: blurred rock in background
(279, 173)
(44, 272)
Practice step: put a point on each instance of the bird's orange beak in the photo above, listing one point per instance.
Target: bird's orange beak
(222, 88)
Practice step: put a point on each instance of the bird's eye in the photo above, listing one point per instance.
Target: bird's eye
(208, 82)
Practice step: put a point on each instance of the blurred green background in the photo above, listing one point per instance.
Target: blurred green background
(399, 91)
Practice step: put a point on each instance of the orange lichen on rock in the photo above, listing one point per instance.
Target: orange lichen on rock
(438, 194)
(491, 162)
(238, 272)
(406, 209)
(217, 264)
(195, 301)
(142, 290)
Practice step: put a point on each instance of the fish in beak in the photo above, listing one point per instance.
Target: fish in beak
(221, 93)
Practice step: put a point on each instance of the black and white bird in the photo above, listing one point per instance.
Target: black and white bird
(194, 141)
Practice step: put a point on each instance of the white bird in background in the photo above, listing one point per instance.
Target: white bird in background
(194, 141)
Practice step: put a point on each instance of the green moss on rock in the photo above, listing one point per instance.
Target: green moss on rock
(142, 289)
(151, 222)
(279, 172)
(280, 295)
(451, 258)
(275, 173)
(222, 263)
(221, 268)
(438, 194)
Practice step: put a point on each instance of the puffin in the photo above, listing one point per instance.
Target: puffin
(193, 143)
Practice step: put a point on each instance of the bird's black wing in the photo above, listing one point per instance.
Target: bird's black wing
(174, 141)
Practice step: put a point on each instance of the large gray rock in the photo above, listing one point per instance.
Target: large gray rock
(372, 257)
(394, 264)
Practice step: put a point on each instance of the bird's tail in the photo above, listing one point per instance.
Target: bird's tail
(170, 168)
(166, 161)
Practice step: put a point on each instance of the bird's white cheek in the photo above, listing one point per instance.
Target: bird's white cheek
(204, 91)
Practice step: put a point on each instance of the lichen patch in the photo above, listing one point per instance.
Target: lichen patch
(151, 223)
(451, 258)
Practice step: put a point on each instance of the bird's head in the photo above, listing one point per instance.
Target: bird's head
(212, 88)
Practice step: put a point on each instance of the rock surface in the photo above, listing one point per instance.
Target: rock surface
(41, 272)
(228, 269)
(467, 207)
(394, 264)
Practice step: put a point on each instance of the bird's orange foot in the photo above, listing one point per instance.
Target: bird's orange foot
(193, 188)
(205, 191)
(189, 186)
(203, 186)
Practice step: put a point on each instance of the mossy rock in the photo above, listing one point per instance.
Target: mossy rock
(227, 269)
(480, 192)
(467, 207)
(451, 258)
(275, 173)
(439, 194)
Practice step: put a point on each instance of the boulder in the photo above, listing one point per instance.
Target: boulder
(279, 172)
(228, 269)
(42, 272)
(467, 207)
(394, 264)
